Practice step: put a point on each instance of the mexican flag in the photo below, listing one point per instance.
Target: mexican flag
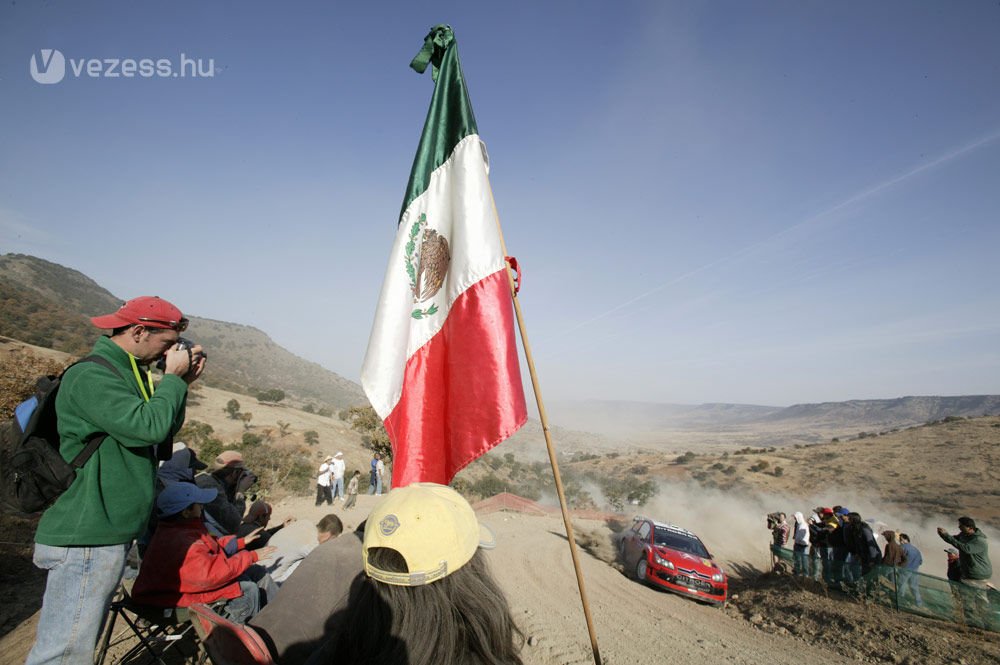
(441, 368)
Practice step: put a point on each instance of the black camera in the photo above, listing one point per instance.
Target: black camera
(183, 343)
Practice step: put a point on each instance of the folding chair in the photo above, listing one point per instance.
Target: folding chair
(228, 643)
(156, 628)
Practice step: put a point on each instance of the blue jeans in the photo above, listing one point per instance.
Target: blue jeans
(78, 592)
(244, 607)
(800, 559)
(338, 488)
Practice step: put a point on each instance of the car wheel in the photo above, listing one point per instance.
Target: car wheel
(641, 569)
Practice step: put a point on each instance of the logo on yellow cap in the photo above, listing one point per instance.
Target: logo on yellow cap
(388, 525)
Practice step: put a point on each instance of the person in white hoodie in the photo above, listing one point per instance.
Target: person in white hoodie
(337, 467)
(801, 547)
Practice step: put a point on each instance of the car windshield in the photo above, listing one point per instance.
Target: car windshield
(680, 542)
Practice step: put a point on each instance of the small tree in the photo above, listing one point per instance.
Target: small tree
(283, 428)
(233, 409)
(309, 408)
(364, 420)
(312, 437)
(274, 395)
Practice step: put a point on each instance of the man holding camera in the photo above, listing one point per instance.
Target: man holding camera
(231, 479)
(83, 538)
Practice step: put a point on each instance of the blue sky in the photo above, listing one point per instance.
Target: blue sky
(769, 202)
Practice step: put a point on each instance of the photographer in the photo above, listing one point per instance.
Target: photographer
(231, 479)
(779, 536)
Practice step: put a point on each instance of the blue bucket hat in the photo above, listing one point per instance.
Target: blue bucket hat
(178, 496)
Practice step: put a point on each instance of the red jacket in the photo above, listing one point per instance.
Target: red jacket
(185, 565)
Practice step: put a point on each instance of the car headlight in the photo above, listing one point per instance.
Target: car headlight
(662, 562)
(718, 577)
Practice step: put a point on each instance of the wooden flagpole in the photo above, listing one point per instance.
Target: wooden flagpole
(548, 443)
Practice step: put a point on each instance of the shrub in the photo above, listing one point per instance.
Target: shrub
(487, 486)
(233, 409)
(309, 408)
(273, 395)
(251, 440)
(311, 437)
(685, 458)
(325, 411)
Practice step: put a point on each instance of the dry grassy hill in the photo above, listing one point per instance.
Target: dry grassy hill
(49, 305)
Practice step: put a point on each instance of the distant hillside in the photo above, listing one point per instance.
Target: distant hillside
(881, 414)
(612, 417)
(49, 305)
(647, 423)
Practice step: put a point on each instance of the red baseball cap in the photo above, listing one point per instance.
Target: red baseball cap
(150, 311)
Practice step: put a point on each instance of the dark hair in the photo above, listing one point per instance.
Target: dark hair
(118, 331)
(462, 619)
(905, 537)
(330, 524)
(967, 522)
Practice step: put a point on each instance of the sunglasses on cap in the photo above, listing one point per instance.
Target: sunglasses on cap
(179, 326)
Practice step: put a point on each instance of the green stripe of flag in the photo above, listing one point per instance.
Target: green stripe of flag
(449, 119)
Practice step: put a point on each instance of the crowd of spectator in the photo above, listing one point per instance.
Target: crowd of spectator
(836, 546)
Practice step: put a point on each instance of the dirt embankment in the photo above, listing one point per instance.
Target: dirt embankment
(771, 619)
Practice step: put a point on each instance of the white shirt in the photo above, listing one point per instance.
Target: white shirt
(293, 544)
(337, 466)
(323, 478)
(380, 469)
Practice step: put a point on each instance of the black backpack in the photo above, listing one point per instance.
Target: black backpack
(35, 474)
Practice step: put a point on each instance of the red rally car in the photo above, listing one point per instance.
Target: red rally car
(673, 558)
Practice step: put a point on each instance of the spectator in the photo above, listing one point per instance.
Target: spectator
(975, 566)
(779, 536)
(230, 478)
(954, 566)
(428, 596)
(352, 490)
(839, 548)
(83, 538)
(181, 467)
(819, 538)
(894, 554)
(185, 564)
(800, 547)
(376, 476)
(323, 483)
(862, 544)
(337, 468)
(911, 578)
(293, 544)
(258, 517)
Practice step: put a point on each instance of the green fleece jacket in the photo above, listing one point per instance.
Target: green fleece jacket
(973, 554)
(112, 496)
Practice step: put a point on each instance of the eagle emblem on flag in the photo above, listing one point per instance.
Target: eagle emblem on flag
(426, 264)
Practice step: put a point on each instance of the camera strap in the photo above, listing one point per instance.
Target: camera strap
(138, 379)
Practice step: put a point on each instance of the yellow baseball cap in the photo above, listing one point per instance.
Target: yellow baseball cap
(432, 527)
